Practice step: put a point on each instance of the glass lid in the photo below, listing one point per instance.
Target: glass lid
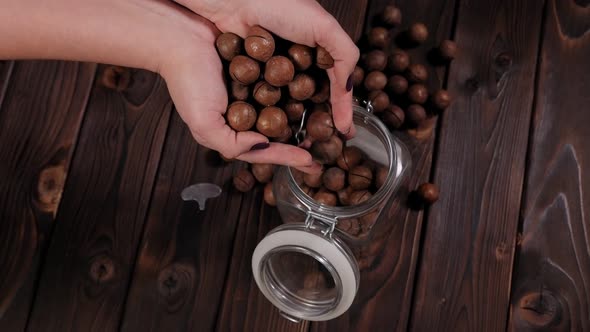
(305, 272)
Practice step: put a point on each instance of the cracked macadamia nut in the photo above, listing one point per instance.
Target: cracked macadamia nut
(323, 59)
(272, 122)
(397, 84)
(326, 198)
(418, 93)
(302, 87)
(375, 60)
(228, 45)
(334, 178)
(266, 94)
(398, 61)
(428, 192)
(262, 172)
(239, 91)
(360, 196)
(320, 125)
(279, 71)
(375, 80)
(351, 156)
(301, 55)
(269, 196)
(391, 16)
(294, 110)
(244, 70)
(360, 177)
(244, 180)
(393, 116)
(418, 33)
(379, 37)
(358, 76)
(379, 100)
(241, 116)
(328, 151)
(259, 44)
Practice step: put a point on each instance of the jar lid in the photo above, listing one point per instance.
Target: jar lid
(306, 272)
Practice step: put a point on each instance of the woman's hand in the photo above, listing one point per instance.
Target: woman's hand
(195, 81)
(157, 35)
(300, 21)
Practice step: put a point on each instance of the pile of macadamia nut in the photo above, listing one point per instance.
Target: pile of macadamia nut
(272, 82)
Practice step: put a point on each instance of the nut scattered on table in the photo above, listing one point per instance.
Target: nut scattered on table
(294, 80)
(428, 192)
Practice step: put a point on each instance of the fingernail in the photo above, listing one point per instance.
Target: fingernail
(260, 146)
(349, 83)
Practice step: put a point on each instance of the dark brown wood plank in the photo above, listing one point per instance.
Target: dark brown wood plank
(385, 295)
(465, 273)
(551, 290)
(39, 122)
(5, 71)
(178, 279)
(88, 267)
(244, 307)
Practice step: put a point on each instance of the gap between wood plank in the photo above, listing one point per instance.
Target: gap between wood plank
(435, 152)
(527, 163)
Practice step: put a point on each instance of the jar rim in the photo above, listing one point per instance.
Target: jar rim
(363, 115)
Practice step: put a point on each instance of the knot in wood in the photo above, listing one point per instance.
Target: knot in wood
(503, 61)
(116, 78)
(175, 284)
(502, 251)
(50, 188)
(539, 309)
(472, 85)
(102, 269)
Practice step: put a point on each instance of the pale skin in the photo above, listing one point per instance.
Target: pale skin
(177, 40)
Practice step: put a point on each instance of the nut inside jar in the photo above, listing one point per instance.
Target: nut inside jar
(353, 176)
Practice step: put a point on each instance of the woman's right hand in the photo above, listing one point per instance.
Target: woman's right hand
(300, 21)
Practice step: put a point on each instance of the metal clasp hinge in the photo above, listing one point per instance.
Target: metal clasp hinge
(365, 103)
(330, 222)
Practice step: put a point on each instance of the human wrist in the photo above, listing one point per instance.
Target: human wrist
(134, 33)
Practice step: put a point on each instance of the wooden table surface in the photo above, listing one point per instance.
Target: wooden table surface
(94, 235)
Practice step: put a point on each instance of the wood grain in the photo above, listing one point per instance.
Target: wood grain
(349, 13)
(244, 307)
(178, 279)
(39, 122)
(385, 295)
(465, 273)
(86, 274)
(5, 71)
(551, 290)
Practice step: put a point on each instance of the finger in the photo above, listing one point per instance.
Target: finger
(279, 154)
(217, 135)
(315, 169)
(308, 23)
(200, 97)
(341, 101)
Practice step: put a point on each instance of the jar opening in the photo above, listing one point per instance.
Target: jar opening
(375, 134)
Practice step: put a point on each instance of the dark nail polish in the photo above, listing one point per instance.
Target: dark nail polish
(260, 146)
(349, 84)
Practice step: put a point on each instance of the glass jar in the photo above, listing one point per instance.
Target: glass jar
(306, 267)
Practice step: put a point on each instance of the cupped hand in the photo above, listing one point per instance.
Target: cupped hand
(300, 21)
(195, 81)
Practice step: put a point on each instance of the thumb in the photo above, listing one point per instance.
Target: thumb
(217, 135)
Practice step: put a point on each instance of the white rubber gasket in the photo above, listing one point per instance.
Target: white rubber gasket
(316, 243)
